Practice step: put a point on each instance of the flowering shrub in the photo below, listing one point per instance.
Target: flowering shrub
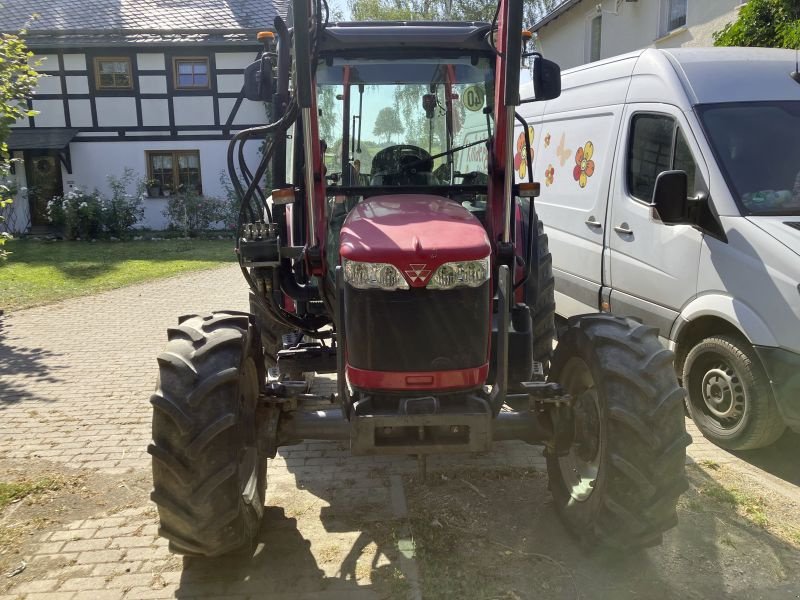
(192, 213)
(123, 209)
(230, 205)
(78, 214)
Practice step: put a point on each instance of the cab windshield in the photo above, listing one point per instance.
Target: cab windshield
(416, 122)
(757, 144)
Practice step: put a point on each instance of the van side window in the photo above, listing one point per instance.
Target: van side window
(684, 162)
(657, 144)
(649, 153)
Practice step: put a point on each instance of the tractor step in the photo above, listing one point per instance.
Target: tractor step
(307, 358)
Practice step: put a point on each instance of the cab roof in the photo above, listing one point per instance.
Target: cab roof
(411, 35)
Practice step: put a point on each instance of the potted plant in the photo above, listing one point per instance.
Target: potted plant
(166, 190)
(153, 188)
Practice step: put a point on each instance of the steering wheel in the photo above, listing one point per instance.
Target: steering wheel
(402, 164)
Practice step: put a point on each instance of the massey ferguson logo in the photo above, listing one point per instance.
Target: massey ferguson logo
(418, 273)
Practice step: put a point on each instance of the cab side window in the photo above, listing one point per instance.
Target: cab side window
(656, 144)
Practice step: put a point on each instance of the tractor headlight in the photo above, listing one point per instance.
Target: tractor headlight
(469, 273)
(382, 276)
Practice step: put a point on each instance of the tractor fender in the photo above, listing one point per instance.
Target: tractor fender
(729, 309)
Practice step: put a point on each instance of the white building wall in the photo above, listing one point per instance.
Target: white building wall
(93, 162)
(636, 25)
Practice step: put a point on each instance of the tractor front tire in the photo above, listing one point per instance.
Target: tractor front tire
(540, 296)
(620, 482)
(208, 477)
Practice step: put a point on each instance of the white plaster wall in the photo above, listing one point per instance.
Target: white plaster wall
(563, 40)
(116, 111)
(75, 62)
(230, 83)
(51, 113)
(637, 25)
(80, 113)
(77, 84)
(234, 60)
(48, 84)
(155, 112)
(92, 162)
(193, 110)
(150, 61)
(250, 113)
(49, 62)
(152, 84)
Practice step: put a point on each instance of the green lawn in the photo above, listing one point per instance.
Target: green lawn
(42, 272)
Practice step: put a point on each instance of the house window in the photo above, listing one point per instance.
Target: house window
(191, 73)
(113, 73)
(175, 171)
(595, 34)
(657, 144)
(674, 15)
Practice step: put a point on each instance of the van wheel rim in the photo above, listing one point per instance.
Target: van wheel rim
(723, 393)
(579, 468)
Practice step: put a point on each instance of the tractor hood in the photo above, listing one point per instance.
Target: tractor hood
(414, 232)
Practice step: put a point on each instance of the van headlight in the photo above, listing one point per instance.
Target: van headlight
(468, 273)
(366, 276)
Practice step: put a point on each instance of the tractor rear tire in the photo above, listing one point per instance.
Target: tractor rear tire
(540, 296)
(208, 477)
(620, 483)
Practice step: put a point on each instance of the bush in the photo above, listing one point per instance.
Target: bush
(123, 210)
(77, 214)
(192, 213)
(230, 205)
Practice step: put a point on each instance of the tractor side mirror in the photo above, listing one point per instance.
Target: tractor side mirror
(546, 79)
(258, 80)
(670, 197)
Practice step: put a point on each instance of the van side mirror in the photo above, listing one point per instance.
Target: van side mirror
(670, 197)
(546, 79)
(258, 80)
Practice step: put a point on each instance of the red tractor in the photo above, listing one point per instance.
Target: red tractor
(409, 262)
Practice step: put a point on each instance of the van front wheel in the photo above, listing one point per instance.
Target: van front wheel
(730, 399)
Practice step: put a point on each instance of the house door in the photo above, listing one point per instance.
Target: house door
(43, 170)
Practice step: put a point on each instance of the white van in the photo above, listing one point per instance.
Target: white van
(715, 269)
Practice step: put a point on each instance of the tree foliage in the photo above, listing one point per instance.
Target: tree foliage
(387, 123)
(441, 10)
(17, 82)
(763, 23)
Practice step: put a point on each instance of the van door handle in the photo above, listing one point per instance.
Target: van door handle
(623, 229)
(592, 222)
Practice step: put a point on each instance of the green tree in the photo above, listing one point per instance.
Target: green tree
(764, 23)
(387, 123)
(17, 82)
(441, 10)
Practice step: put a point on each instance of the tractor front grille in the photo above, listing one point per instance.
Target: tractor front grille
(417, 329)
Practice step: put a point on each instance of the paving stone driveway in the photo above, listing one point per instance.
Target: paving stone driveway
(74, 383)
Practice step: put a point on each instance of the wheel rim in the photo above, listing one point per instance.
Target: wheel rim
(248, 459)
(579, 468)
(722, 394)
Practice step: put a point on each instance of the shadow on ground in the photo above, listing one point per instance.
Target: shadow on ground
(18, 362)
(779, 459)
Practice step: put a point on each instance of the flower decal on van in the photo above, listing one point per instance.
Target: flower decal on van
(549, 175)
(547, 140)
(520, 162)
(584, 165)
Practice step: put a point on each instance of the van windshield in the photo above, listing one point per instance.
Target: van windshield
(757, 145)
